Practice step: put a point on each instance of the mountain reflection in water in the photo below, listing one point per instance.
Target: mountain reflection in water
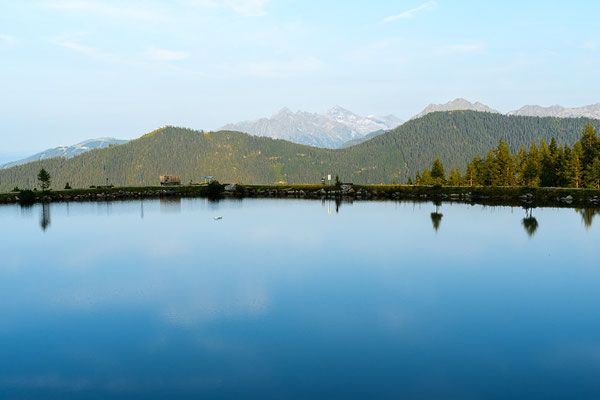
(292, 298)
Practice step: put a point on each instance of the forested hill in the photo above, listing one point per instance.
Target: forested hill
(455, 137)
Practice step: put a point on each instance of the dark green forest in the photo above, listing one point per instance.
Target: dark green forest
(539, 165)
(455, 137)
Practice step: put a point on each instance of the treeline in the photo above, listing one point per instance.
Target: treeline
(540, 165)
(234, 157)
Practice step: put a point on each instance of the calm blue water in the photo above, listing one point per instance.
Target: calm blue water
(289, 299)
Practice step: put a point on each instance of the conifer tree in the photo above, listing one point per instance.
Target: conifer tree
(503, 161)
(592, 174)
(519, 164)
(548, 165)
(426, 177)
(489, 170)
(590, 144)
(437, 172)
(575, 171)
(472, 172)
(455, 179)
(44, 179)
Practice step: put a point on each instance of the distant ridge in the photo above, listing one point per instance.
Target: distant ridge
(327, 130)
(234, 157)
(354, 142)
(456, 105)
(67, 151)
(591, 111)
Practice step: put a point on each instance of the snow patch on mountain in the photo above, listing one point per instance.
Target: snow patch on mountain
(329, 129)
(67, 151)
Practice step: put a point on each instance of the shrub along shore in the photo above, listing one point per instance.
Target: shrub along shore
(526, 196)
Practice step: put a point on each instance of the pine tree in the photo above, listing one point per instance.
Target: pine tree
(548, 165)
(519, 165)
(590, 144)
(489, 170)
(426, 177)
(592, 174)
(576, 173)
(455, 179)
(437, 172)
(44, 179)
(503, 161)
(472, 172)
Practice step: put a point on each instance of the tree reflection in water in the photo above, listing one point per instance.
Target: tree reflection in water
(587, 215)
(529, 222)
(436, 217)
(45, 216)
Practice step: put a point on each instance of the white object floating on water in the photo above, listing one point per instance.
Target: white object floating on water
(218, 218)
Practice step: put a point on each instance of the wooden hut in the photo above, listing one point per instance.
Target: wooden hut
(170, 180)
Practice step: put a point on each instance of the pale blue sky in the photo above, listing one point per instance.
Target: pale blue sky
(76, 69)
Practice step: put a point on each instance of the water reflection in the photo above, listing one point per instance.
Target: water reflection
(45, 216)
(338, 204)
(436, 217)
(181, 307)
(587, 215)
(530, 223)
(170, 205)
(173, 205)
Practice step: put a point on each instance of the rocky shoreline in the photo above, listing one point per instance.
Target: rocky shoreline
(491, 195)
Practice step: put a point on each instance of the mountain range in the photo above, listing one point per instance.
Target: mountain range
(591, 111)
(340, 128)
(67, 151)
(327, 130)
(455, 105)
(336, 128)
(455, 137)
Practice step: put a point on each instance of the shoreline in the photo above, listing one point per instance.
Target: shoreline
(524, 196)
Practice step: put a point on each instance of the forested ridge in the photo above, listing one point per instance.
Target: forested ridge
(455, 137)
(541, 165)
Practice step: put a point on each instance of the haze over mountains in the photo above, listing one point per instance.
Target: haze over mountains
(591, 111)
(335, 128)
(340, 128)
(328, 130)
(235, 157)
(455, 105)
(67, 151)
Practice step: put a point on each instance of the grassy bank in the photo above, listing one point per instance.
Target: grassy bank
(484, 195)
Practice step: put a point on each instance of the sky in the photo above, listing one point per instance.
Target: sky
(71, 70)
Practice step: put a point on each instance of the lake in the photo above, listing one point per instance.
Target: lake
(298, 299)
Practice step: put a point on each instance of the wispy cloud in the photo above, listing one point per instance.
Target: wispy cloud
(8, 39)
(387, 50)
(105, 9)
(147, 57)
(94, 53)
(412, 12)
(591, 45)
(246, 8)
(519, 63)
(385, 43)
(155, 54)
(249, 8)
(461, 48)
(278, 69)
